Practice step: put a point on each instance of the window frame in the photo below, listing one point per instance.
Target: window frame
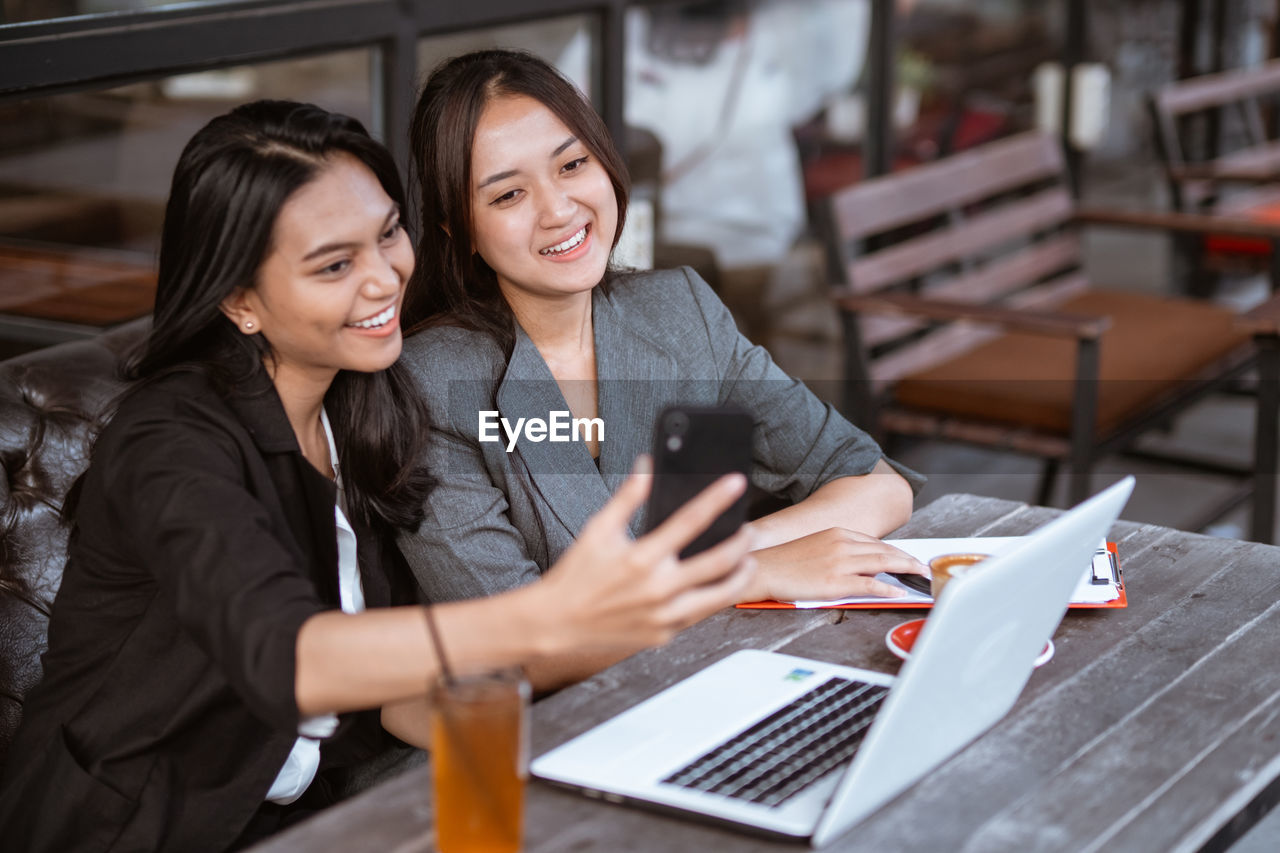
(110, 49)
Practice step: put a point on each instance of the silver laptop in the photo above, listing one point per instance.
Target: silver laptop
(805, 749)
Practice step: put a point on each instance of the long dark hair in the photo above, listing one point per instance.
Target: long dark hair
(230, 183)
(452, 284)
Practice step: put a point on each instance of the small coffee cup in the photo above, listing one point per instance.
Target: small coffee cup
(947, 566)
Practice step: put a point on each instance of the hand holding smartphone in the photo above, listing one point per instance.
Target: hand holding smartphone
(693, 446)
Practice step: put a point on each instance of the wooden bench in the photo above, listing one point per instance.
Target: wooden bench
(967, 316)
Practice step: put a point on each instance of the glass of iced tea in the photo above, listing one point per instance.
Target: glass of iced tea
(479, 757)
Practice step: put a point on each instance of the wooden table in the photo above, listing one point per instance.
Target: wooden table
(1153, 728)
(50, 295)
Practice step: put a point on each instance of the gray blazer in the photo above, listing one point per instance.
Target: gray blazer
(498, 519)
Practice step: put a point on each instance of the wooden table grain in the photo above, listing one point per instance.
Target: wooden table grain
(1156, 727)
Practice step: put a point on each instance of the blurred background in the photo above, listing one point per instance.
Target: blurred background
(740, 119)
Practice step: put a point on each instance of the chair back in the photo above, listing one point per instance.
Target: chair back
(1188, 117)
(51, 407)
(990, 226)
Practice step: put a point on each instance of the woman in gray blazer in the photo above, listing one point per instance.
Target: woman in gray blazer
(523, 197)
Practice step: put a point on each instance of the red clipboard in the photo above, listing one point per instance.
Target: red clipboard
(889, 604)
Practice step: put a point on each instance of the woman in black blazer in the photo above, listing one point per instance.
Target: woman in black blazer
(224, 631)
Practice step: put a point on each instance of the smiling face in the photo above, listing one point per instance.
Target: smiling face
(543, 210)
(328, 295)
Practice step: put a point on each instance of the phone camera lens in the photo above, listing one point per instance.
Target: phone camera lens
(677, 423)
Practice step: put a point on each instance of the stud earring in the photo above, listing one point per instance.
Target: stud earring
(248, 324)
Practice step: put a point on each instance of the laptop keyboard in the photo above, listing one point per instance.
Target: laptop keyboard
(791, 748)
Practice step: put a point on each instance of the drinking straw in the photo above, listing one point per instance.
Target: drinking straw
(437, 646)
(461, 746)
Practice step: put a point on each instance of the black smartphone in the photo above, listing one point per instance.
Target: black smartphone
(919, 583)
(693, 446)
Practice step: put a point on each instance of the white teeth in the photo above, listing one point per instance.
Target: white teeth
(572, 243)
(377, 320)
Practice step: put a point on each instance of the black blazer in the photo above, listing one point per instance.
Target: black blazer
(203, 541)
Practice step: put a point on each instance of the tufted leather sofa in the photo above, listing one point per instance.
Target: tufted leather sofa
(51, 403)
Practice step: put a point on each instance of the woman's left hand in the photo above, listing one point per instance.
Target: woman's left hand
(832, 563)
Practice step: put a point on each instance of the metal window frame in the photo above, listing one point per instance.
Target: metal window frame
(100, 51)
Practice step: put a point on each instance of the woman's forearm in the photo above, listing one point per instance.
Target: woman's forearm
(607, 596)
(347, 662)
(408, 720)
(547, 674)
(874, 503)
